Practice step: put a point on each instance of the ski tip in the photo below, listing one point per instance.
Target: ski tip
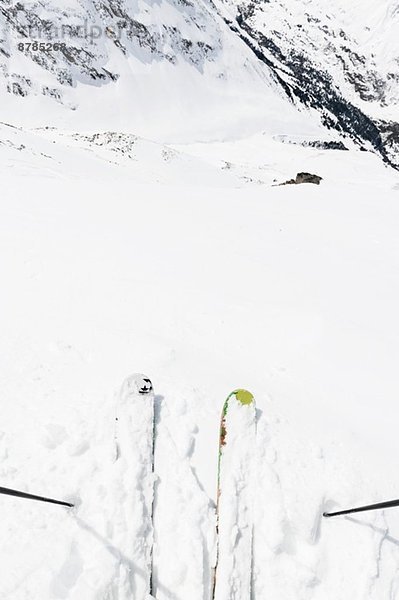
(137, 383)
(243, 396)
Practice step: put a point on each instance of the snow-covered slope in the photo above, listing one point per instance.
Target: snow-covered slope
(107, 155)
(289, 291)
(322, 60)
(162, 70)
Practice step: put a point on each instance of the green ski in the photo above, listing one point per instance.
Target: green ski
(232, 577)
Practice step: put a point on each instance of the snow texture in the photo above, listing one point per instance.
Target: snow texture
(289, 291)
(142, 229)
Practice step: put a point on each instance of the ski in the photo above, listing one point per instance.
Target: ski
(232, 578)
(134, 438)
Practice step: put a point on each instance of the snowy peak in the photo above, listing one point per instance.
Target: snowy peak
(146, 64)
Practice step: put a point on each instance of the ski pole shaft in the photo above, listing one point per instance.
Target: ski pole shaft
(18, 494)
(349, 511)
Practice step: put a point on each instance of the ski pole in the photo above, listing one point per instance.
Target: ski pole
(8, 492)
(349, 511)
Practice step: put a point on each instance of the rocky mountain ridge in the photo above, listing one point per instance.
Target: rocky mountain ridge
(307, 54)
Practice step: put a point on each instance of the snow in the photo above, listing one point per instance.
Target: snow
(189, 97)
(291, 292)
(187, 532)
(142, 229)
(354, 42)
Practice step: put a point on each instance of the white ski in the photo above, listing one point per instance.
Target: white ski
(134, 440)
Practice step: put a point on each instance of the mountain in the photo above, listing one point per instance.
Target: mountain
(182, 70)
(172, 68)
(334, 60)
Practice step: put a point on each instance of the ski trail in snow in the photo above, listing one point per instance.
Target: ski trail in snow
(297, 553)
(184, 517)
(385, 554)
(278, 543)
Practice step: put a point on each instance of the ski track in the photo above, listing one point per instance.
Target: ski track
(300, 555)
(294, 555)
(183, 514)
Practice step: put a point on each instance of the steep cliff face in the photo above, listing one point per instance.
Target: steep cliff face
(244, 63)
(331, 59)
(91, 31)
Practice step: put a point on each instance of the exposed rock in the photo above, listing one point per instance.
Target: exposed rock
(308, 178)
(303, 178)
(319, 144)
(331, 145)
(321, 67)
